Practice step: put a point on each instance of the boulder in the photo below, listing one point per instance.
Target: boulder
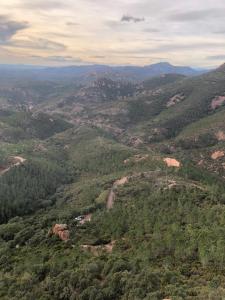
(217, 154)
(61, 230)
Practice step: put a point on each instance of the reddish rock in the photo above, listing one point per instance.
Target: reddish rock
(220, 135)
(217, 154)
(217, 102)
(61, 230)
(171, 162)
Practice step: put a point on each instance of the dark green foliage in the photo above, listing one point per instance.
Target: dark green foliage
(25, 125)
(24, 189)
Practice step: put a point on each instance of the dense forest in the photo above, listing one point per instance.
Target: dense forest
(118, 199)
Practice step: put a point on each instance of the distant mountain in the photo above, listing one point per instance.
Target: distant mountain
(91, 72)
(120, 72)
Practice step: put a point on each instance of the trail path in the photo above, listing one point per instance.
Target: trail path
(112, 195)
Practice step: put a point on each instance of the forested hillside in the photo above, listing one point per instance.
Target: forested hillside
(114, 190)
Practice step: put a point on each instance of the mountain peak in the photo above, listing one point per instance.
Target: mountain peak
(222, 67)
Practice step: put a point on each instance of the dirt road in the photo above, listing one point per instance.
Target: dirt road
(112, 195)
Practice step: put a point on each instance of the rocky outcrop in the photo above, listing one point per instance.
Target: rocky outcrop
(220, 135)
(172, 162)
(217, 102)
(175, 99)
(217, 155)
(61, 230)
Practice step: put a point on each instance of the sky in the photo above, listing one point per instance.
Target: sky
(114, 32)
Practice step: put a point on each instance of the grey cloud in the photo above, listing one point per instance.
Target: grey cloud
(128, 18)
(59, 58)
(42, 4)
(216, 57)
(9, 28)
(219, 31)
(196, 15)
(40, 43)
(151, 30)
(189, 46)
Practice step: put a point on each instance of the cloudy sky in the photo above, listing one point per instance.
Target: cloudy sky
(65, 32)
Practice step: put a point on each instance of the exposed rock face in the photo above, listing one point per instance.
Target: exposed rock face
(121, 181)
(220, 135)
(172, 162)
(217, 102)
(217, 155)
(175, 99)
(61, 230)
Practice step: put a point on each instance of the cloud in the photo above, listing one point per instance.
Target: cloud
(38, 43)
(128, 18)
(197, 15)
(151, 30)
(42, 4)
(98, 56)
(9, 28)
(216, 57)
(190, 46)
(72, 24)
(58, 59)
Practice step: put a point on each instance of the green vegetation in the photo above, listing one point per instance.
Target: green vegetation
(17, 126)
(164, 236)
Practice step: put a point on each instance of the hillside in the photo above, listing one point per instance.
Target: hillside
(113, 189)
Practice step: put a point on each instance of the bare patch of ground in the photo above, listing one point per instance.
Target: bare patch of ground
(60, 230)
(112, 195)
(97, 250)
(15, 161)
(217, 102)
(175, 99)
(220, 135)
(172, 162)
(217, 155)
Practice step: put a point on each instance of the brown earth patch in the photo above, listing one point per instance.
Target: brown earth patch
(217, 155)
(172, 162)
(97, 250)
(112, 195)
(60, 230)
(220, 135)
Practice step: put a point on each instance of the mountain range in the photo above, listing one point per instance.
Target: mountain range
(88, 72)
